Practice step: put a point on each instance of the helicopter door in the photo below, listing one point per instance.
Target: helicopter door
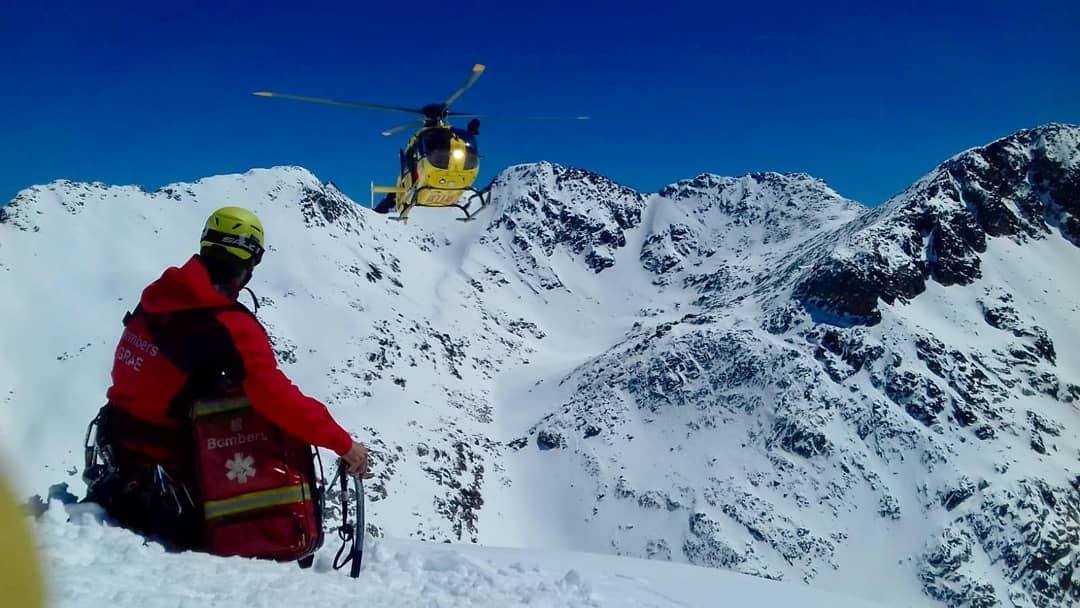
(408, 159)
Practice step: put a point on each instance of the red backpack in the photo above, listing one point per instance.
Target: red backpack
(254, 488)
(257, 484)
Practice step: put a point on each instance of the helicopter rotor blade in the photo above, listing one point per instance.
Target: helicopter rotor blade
(515, 117)
(334, 102)
(477, 71)
(416, 124)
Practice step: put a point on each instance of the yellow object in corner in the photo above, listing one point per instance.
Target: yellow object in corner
(20, 573)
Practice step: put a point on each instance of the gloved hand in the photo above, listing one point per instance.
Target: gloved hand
(357, 460)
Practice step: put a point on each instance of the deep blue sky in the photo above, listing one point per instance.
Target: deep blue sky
(868, 98)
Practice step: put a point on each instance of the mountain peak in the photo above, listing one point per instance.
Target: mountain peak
(256, 189)
(555, 175)
(1024, 187)
(544, 206)
(711, 183)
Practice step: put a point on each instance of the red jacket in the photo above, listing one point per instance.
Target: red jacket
(184, 341)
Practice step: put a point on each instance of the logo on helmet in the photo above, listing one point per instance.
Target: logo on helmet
(246, 243)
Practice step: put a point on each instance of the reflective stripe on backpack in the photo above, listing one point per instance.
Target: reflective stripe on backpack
(257, 500)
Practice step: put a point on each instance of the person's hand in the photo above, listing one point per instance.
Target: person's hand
(357, 460)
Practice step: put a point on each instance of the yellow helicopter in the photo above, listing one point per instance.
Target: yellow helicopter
(440, 163)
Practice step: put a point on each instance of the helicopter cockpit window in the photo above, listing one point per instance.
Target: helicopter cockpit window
(471, 150)
(435, 146)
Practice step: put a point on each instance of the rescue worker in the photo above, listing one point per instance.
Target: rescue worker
(189, 338)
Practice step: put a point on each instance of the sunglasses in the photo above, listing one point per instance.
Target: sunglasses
(247, 243)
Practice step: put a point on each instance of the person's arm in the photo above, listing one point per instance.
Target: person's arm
(273, 395)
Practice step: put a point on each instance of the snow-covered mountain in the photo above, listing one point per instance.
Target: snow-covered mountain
(749, 373)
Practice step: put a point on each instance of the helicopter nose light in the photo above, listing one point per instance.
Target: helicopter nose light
(458, 154)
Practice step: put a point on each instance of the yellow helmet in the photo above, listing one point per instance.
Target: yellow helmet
(238, 231)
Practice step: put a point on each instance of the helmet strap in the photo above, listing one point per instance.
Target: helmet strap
(232, 288)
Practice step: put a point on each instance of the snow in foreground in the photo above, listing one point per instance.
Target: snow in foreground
(89, 563)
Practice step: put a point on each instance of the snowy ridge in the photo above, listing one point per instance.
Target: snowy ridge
(1021, 187)
(748, 373)
(93, 565)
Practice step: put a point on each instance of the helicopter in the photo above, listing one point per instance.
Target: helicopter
(440, 163)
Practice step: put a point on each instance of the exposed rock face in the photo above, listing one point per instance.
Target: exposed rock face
(544, 207)
(1017, 187)
(1031, 530)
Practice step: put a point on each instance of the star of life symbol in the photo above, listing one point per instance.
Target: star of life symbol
(237, 425)
(240, 468)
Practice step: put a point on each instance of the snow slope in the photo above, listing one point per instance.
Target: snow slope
(750, 373)
(90, 564)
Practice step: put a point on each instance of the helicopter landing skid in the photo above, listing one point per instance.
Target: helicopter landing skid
(402, 217)
(484, 196)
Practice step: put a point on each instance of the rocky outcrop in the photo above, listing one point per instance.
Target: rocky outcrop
(1019, 187)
